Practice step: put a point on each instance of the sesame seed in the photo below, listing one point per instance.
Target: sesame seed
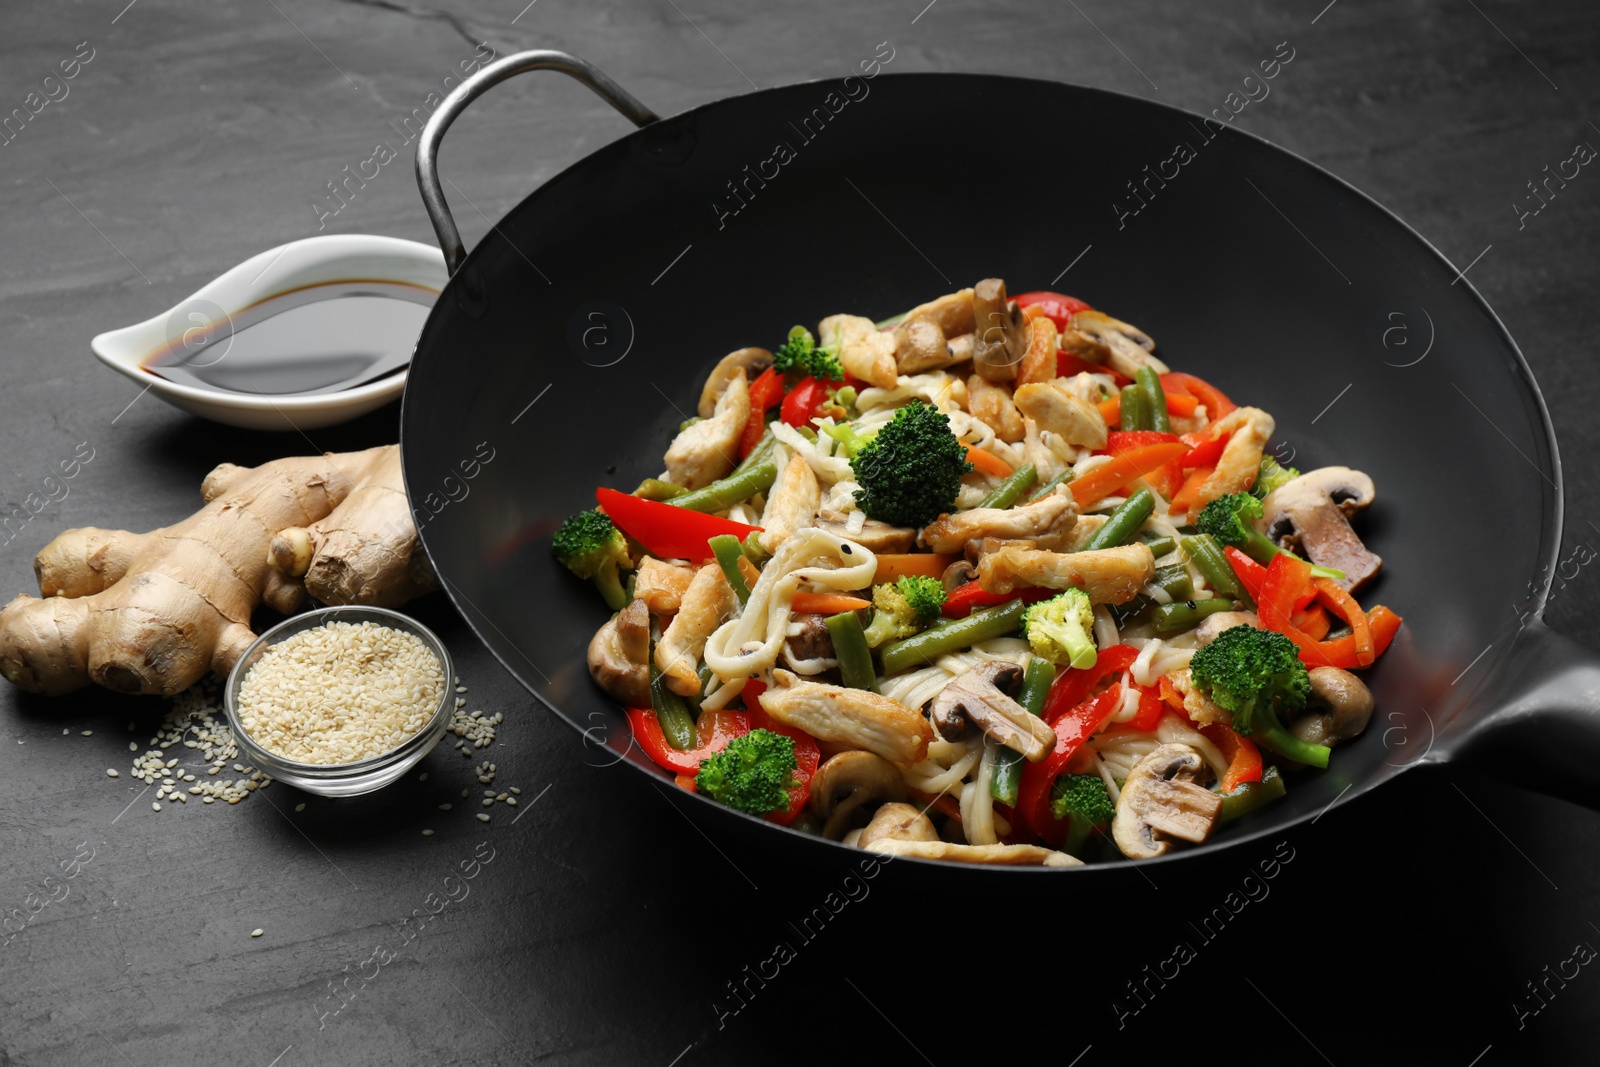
(88, 733)
(257, 932)
(423, 777)
(444, 807)
(155, 807)
(517, 791)
(512, 801)
(111, 772)
(299, 807)
(427, 833)
(482, 817)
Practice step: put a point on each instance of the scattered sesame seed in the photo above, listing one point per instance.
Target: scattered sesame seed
(423, 777)
(512, 801)
(517, 791)
(482, 817)
(466, 793)
(155, 807)
(88, 733)
(132, 747)
(444, 807)
(427, 833)
(299, 807)
(111, 772)
(257, 932)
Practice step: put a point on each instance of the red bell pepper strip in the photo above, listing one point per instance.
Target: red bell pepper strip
(667, 532)
(1313, 622)
(1135, 463)
(1204, 451)
(804, 401)
(1341, 651)
(1338, 599)
(1250, 573)
(1151, 708)
(1170, 694)
(1056, 307)
(1244, 758)
(713, 731)
(807, 754)
(765, 392)
(1119, 442)
(1216, 401)
(970, 597)
(1074, 686)
(1073, 728)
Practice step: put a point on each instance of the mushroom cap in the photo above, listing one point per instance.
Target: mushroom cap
(1348, 703)
(619, 656)
(951, 713)
(1162, 800)
(849, 781)
(1000, 340)
(1352, 490)
(1311, 514)
(750, 360)
(898, 822)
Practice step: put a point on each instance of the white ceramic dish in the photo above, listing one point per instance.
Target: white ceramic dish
(311, 261)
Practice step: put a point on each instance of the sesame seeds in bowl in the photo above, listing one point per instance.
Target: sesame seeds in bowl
(341, 700)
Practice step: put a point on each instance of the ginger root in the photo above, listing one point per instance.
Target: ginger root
(153, 612)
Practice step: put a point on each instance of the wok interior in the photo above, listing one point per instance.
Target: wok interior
(1249, 267)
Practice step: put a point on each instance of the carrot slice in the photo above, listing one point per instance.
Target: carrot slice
(1344, 605)
(989, 463)
(826, 603)
(1177, 404)
(1170, 694)
(892, 566)
(1187, 496)
(1135, 463)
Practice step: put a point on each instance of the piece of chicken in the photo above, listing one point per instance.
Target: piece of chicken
(1061, 411)
(710, 448)
(1099, 338)
(661, 585)
(1108, 575)
(1040, 362)
(1200, 708)
(791, 503)
(851, 718)
(864, 350)
(1241, 457)
(707, 602)
(993, 405)
(1055, 514)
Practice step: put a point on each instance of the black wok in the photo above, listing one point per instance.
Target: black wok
(572, 341)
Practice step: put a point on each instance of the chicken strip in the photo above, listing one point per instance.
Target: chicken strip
(988, 855)
(661, 585)
(791, 503)
(992, 404)
(710, 448)
(1055, 514)
(1241, 457)
(853, 718)
(864, 350)
(1060, 411)
(1108, 575)
(706, 603)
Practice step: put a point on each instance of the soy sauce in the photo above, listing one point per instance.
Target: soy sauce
(317, 339)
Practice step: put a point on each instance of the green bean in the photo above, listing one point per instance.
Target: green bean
(1182, 614)
(1160, 546)
(693, 702)
(1036, 682)
(1005, 494)
(1174, 580)
(728, 551)
(677, 725)
(1252, 795)
(1135, 412)
(753, 550)
(656, 489)
(1155, 399)
(1123, 614)
(1124, 522)
(755, 475)
(922, 649)
(1219, 574)
(1049, 487)
(850, 649)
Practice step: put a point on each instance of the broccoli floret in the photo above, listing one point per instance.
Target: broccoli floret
(754, 773)
(1272, 476)
(1257, 676)
(910, 473)
(904, 608)
(1061, 629)
(1084, 799)
(1230, 520)
(589, 545)
(800, 356)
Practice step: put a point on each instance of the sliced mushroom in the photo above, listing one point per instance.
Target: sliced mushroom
(1108, 575)
(661, 585)
(707, 450)
(1345, 708)
(750, 360)
(958, 574)
(864, 350)
(1099, 338)
(852, 718)
(1207, 631)
(952, 313)
(1053, 514)
(1002, 333)
(1248, 430)
(920, 345)
(851, 781)
(898, 822)
(981, 697)
(706, 603)
(1162, 800)
(875, 536)
(1311, 514)
(985, 855)
(992, 405)
(1061, 411)
(619, 656)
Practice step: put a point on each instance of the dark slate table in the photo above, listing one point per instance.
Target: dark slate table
(1406, 928)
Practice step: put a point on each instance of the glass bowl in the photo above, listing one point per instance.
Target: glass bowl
(360, 776)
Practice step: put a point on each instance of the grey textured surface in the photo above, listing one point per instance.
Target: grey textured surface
(605, 929)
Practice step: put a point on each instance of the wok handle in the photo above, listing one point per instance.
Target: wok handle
(444, 224)
(1543, 731)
